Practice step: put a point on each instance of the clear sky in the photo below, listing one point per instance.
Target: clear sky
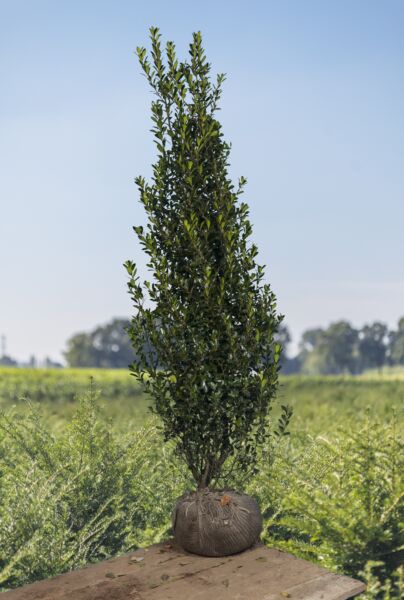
(313, 106)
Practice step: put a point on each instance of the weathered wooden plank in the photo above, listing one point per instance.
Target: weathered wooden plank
(323, 587)
(166, 572)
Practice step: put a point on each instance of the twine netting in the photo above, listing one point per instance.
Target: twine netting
(216, 522)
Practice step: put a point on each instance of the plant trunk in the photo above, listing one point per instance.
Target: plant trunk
(206, 476)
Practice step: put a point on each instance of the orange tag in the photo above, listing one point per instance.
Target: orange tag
(225, 500)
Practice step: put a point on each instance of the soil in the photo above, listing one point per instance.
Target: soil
(165, 572)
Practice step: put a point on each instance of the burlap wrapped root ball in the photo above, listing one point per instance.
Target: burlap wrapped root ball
(216, 523)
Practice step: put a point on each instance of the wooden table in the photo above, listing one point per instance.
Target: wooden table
(164, 572)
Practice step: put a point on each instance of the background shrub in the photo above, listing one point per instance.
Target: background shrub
(338, 499)
(81, 496)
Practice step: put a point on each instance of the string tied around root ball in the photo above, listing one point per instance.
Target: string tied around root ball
(216, 522)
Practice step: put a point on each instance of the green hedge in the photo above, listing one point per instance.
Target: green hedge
(89, 492)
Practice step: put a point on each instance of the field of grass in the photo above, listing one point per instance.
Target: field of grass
(81, 480)
(320, 403)
(57, 391)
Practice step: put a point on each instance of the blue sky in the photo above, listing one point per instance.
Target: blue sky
(313, 106)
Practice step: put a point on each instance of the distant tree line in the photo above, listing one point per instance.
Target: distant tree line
(7, 361)
(337, 349)
(106, 346)
(341, 348)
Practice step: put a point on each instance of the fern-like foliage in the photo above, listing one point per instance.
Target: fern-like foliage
(81, 496)
(339, 500)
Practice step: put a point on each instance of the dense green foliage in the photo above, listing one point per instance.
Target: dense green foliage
(207, 313)
(79, 496)
(90, 490)
(339, 498)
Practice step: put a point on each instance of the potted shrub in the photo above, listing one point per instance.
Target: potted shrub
(204, 327)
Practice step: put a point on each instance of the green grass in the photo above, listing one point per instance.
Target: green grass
(323, 403)
(57, 392)
(62, 385)
(319, 403)
(396, 372)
